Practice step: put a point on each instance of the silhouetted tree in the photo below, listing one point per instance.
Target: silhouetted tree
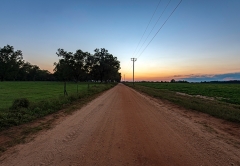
(88, 67)
(80, 61)
(10, 62)
(13, 67)
(101, 66)
(172, 81)
(64, 69)
(105, 66)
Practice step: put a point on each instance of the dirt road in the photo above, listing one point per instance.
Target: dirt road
(123, 127)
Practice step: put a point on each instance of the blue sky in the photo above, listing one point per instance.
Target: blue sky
(201, 38)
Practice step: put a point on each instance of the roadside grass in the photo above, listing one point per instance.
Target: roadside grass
(36, 91)
(225, 92)
(216, 108)
(25, 132)
(44, 98)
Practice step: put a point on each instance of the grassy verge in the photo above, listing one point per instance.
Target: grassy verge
(226, 92)
(227, 111)
(13, 117)
(37, 91)
(27, 132)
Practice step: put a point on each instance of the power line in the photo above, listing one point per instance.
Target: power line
(147, 26)
(161, 27)
(154, 26)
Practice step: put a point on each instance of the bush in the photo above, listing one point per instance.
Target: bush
(20, 103)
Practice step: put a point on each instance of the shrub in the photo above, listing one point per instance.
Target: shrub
(20, 103)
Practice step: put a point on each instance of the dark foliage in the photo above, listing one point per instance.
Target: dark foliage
(20, 103)
(82, 66)
(14, 68)
(79, 66)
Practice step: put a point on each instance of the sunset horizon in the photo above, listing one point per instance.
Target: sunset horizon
(182, 40)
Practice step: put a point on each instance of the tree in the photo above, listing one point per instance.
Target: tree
(10, 62)
(88, 67)
(101, 66)
(172, 81)
(44, 75)
(64, 68)
(106, 66)
(13, 67)
(34, 72)
(24, 71)
(80, 61)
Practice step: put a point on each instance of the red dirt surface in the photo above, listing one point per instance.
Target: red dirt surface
(124, 127)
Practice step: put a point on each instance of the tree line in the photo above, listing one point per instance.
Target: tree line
(79, 66)
(14, 68)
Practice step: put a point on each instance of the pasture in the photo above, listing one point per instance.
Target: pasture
(226, 92)
(41, 99)
(219, 100)
(36, 91)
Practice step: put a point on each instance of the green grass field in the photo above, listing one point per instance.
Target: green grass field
(36, 91)
(38, 99)
(225, 92)
(226, 103)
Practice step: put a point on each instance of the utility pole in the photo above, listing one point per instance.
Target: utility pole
(133, 59)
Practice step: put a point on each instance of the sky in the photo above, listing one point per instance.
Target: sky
(198, 41)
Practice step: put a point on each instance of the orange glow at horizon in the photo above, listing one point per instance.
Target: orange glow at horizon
(167, 75)
(154, 76)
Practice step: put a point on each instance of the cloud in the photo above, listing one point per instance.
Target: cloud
(193, 75)
(217, 77)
